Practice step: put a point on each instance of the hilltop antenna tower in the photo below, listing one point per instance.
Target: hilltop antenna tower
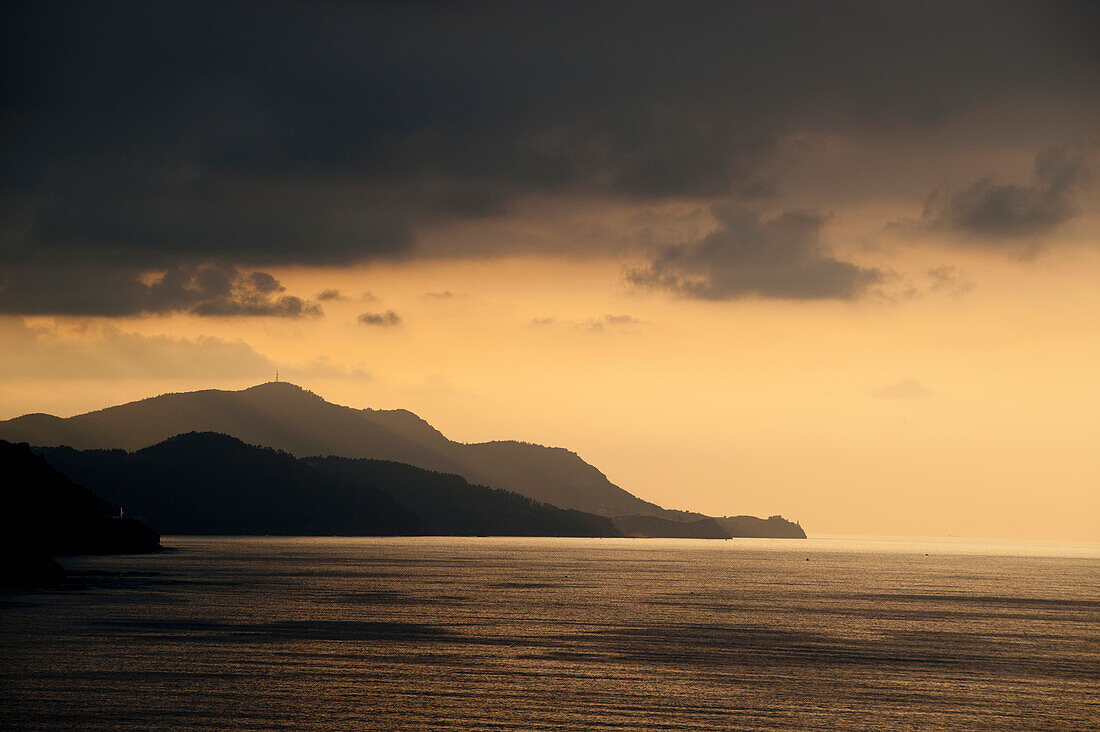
(276, 376)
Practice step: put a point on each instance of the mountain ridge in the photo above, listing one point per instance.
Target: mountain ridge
(290, 418)
(211, 483)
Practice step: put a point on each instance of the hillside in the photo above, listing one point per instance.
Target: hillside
(45, 514)
(209, 483)
(287, 417)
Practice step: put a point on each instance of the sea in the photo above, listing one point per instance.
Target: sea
(835, 633)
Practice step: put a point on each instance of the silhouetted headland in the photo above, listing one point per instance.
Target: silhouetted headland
(288, 418)
(655, 526)
(209, 483)
(773, 527)
(46, 514)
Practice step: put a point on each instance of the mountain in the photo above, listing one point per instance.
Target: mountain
(46, 514)
(210, 483)
(289, 418)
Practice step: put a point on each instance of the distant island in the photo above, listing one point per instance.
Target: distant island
(46, 515)
(289, 419)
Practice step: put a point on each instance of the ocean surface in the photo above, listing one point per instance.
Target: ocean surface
(560, 634)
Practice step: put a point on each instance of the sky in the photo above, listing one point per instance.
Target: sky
(837, 261)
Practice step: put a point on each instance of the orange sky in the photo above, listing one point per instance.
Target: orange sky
(839, 263)
(972, 413)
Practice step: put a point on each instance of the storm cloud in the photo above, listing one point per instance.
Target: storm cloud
(146, 136)
(750, 255)
(1006, 211)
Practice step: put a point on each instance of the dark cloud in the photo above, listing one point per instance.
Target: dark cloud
(752, 256)
(905, 389)
(208, 290)
(326, 295)
(145, 136)
(543, 321)
(1007, 211)
(264, 283)
(444, 295)
(386, 319)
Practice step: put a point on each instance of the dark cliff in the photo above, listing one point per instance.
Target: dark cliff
(46, 514)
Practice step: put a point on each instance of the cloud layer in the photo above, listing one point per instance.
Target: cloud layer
(106, 352)
(111, 353)
(166, 137)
